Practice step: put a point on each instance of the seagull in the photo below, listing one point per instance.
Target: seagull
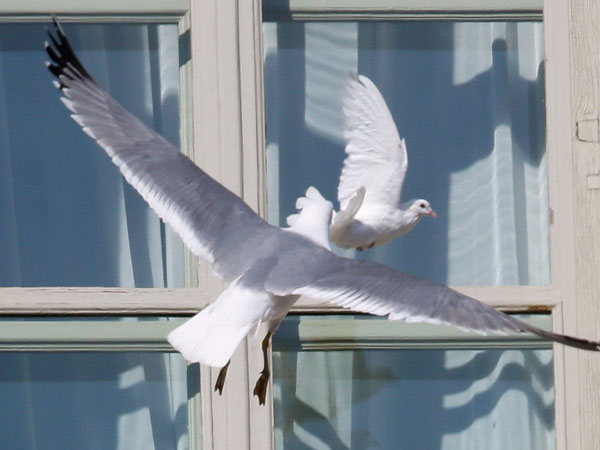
(268, 267)
(373, 173)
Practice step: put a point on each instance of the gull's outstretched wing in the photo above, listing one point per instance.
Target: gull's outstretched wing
(372, 288)
(376, 156)
(211, 220)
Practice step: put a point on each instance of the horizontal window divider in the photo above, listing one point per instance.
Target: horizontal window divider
(81, 335)
(358, 15)
(145, 301)
(91, 18)
(80, 301)
(338, 334)
(404, 9)
(106, 7)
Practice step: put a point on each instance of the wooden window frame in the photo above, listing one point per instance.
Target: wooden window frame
(228, 134)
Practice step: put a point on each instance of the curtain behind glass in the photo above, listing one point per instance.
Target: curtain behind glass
(468, 98)
(411, 399)
(94, 400)
(68, 218)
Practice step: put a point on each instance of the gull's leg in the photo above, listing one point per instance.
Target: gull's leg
(221, 378)
(372, 245)
(260, 390)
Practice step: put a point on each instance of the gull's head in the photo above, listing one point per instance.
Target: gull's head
(421, 208)
(313, 218)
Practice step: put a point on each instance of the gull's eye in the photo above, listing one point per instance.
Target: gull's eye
(422, 205)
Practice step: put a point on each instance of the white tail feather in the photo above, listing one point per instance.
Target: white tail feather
(212, 335)
(312, 193)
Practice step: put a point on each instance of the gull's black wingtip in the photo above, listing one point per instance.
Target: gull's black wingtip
(571, 341)
(64, 63)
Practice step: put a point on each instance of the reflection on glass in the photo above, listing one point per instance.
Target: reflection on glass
(94, 400)
(468, 98)
(414, 399)
(67, 217)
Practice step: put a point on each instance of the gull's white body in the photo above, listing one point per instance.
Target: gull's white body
(212, 335)
(269, 267)
(373, 174)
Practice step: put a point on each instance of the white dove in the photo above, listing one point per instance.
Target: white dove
(269, 267)
(373, 173)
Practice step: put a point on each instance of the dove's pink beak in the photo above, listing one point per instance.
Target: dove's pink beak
(432, 214)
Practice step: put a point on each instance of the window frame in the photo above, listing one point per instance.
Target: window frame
(67, 302)
(105, 300)
(559, 297)
(228, 131)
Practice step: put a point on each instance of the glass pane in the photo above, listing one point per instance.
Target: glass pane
(133, 400)
(469, 99)
(68, 217)
(413, 399)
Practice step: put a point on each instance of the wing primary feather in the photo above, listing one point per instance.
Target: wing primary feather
(372, 288)
(212, 221)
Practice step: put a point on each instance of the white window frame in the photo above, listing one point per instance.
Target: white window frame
(228, 135)
(561, 298)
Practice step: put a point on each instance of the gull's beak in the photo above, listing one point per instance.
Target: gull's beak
(432, 214)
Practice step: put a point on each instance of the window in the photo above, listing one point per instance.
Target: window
(456, 76)
(90, 383)
(467, 97)
(70, 218)
(368, 382)
(78, 240)
(226, 89)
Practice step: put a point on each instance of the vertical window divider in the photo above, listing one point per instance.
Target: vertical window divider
(229, 145)
(559, 148)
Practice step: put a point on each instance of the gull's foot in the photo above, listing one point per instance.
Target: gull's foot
(360, 249)
(372, 245)
(260, 390)
(221, 379)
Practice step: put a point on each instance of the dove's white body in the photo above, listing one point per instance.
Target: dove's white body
(374, 225)
(376, 163)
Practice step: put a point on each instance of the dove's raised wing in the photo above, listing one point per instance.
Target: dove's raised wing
(214, 223)
(376, 156)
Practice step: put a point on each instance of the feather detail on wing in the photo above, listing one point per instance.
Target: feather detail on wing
(343, 217)
(376, 156)
(207, 216)
(369, 287)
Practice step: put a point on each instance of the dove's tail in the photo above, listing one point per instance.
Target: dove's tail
(212, 335)
(312, 193)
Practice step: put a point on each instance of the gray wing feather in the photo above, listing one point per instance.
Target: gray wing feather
(213, 222)
(369, 287)
(372, 288)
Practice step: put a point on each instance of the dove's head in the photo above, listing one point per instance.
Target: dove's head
(421, 208)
